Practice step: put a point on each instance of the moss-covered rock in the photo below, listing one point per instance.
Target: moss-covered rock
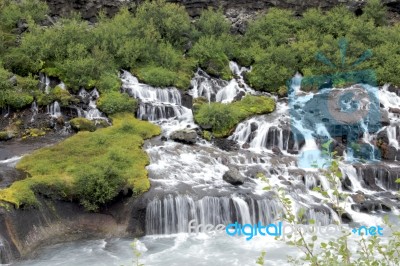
(82, 124)
(221, 119)
(34, 132)
(89, 167)
(6, 135)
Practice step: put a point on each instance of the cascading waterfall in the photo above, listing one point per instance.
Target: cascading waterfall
(34, 109)
(54, 110)
(154, 103)
(172, 215)
(92, 113)
(45, 82)
(219, 90)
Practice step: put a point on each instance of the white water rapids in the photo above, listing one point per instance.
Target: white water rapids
(187, 181)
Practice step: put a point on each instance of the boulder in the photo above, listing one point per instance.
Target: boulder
(394, 110)
(234, 177)
(226, 144)
(358, 198)
(187, 136)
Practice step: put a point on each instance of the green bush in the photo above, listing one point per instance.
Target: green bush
(115, 102)
(211, 56)
(212, 22)
(14, 11)
(82, 124)
(108, 82)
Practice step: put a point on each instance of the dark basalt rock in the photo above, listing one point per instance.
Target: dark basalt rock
(187, 100)
(371, 206)
(226, 144)
(236, 10)
(187, 136)
(233, 176)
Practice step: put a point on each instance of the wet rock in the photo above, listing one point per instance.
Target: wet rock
(371, 206)
(187, 100)
(187, 136)
(233, 176)
(226, 144)
(245, 146)
(8, 175)
(253, 126)
(394, 110)
(358, 198)
(346, 218)
(390, 153)
(346, 184)
(385, 121)
(253, 171)
(277, 151)
(239, 96)
(163, 138)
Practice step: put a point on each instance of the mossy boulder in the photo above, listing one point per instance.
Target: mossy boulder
(91, 168)
(82, 124)
(221, 119)
(6, 135)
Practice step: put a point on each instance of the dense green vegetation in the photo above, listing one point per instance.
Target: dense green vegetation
(223, 118)
(160, 45)
(89, 167)
(114, 102)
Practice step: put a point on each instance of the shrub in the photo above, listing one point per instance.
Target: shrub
(14, 11)
(212, 22)
(375, 10)
(115, 102)
(210, 55)
(82, 124)
(108, 82)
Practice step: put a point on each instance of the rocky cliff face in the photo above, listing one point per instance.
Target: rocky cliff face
(24, 230)
(89, 8)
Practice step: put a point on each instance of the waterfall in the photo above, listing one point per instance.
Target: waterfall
(62, 85)
(218, 90)
(205, 86)
(172, 214)
(34, 109)
(54, 110)
(92, 113)
(83, 93)
(393, 136)
(45, 82)
(154, 103)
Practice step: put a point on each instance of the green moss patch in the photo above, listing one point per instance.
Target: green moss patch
(89, 167)
(221, 118)
(82, 124)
